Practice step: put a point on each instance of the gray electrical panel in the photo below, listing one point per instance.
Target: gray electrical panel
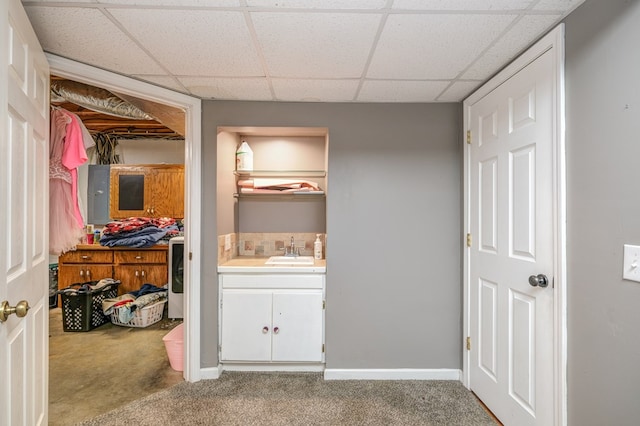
(98, 194)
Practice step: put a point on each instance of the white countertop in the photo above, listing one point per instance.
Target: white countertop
(250, 264)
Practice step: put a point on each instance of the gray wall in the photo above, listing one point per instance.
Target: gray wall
(393, 225)
(603, 173)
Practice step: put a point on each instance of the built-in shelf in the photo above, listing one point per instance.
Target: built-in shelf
(286, 195)
(281, 173)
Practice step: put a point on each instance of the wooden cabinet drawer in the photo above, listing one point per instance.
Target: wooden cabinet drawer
(140, 256)
(87, 256)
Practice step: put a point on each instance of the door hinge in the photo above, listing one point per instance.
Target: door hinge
(468, 343)
(469, 240)
(323, 348)
(324, 304)
(469, 137)
(190, 255)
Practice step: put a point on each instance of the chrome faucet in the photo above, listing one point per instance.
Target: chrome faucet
(292, 249)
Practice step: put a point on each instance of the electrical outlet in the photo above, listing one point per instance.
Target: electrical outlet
(631, 263)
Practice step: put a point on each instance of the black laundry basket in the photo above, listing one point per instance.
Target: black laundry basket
(82, 309)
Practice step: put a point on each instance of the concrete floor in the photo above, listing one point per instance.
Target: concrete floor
(96, 371)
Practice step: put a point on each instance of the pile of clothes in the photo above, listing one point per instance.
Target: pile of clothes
(140, 232)
(277, 185)
(126, 305)
(89, 287)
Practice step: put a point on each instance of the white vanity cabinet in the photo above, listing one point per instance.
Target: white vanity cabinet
(272, 318)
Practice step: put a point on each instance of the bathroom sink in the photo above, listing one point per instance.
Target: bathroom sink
(290, 260)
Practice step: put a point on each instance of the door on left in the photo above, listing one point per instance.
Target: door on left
(24, 199)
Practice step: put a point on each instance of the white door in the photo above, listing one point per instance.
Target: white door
(297, 326)
(246, 325)
(511, 222)
(24, 99)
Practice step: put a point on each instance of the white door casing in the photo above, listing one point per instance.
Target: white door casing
(514, 211)
(76, 71)
(24, 189)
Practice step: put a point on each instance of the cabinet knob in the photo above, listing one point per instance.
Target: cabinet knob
(276, 330)
(81, 273)
(142, 273)
(85, 257)
(137, 273)
(138, 257)
(88, 273)
(265, 330)
(152, 210)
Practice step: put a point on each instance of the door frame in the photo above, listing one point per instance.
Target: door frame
(554, 40)
(193, 183)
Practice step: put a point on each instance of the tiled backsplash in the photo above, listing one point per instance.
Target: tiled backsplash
(266, 244)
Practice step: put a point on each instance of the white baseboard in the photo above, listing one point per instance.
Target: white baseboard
(211, 372)
(272, 367)
(392, 374)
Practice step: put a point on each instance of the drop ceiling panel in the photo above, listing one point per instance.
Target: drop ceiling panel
(315, 4)
(458, 91)
(63, 31)
(559, 5)
(401, 91)
(250, 89)
(509, 46)
(420, 46)
(462, 4)
(201, 42)
(299, 50)
(315, 90)
(168, 82)
(180, 3)
(315, 45)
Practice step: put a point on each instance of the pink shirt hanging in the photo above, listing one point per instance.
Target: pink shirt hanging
(74, 155)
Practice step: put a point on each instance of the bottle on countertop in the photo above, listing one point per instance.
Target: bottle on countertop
(244, 157)
(317, 248)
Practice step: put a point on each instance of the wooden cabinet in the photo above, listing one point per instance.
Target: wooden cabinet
(137, 267)
(133, 267)
(272, 318)
(147, 190)
(80, 266)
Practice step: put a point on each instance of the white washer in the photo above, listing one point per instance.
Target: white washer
(176, 277)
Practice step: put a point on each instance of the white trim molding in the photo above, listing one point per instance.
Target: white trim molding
(392, 374)
(211, 373)
(193, 182)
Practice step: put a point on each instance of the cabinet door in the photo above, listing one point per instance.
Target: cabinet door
(168, 192)
(130, 192)
(297, 326)
(246, 325)
(133, 276)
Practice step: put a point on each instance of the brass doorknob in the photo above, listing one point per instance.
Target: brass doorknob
(20, 310)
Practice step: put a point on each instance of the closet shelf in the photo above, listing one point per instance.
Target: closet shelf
(285, 195)
(281, 173)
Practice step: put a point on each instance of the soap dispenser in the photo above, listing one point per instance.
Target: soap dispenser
(317, 248)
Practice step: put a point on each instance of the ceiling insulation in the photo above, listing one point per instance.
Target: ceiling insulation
(102, 111)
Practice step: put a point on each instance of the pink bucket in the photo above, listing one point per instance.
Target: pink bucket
(174, 342)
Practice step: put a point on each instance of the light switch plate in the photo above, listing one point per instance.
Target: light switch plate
(227, 242)
(631, 263)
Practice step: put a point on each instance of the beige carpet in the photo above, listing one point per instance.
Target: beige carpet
(302, 399)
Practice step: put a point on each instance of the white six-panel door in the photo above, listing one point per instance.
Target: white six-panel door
(511, 221)
(24, 157)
